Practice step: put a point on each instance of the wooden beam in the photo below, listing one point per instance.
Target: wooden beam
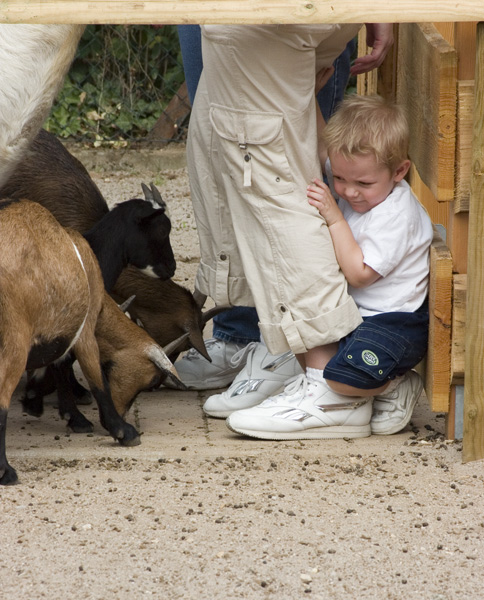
(242, 12)
(426, 87)
(458, 329)
(465, 110)
(437, 372)
(473, 440)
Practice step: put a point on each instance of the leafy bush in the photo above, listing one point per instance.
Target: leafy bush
(119, 83)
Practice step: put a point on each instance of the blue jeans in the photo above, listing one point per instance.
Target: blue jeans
(240, 324)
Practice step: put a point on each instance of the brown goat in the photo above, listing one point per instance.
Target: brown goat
(50, 175)
(52, 301)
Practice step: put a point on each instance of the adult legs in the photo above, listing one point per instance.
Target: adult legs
(234, 328)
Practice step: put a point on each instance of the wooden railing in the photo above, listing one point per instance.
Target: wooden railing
(240, 12)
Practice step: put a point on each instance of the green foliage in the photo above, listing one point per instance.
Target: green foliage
(119, 83)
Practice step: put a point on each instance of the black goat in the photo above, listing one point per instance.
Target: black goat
(50, 175)
(133, 233)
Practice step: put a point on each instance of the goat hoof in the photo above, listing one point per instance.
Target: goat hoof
(129, 437)
(9, 476)
(79, 424)
(33, 406)
(133, 442)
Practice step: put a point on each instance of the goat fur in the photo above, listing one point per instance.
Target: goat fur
(34, 60)
(52, 176)
(53, 301)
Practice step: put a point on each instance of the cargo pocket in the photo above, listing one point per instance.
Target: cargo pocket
(375, 351)
(253, 149)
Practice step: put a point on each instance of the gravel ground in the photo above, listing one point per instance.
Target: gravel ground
(196, 512)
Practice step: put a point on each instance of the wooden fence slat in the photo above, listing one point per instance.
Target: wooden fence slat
(426, 86)
(247, 12)
(473, 442)
(437, 370)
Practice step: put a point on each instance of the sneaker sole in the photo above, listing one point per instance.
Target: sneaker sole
(321, 433)
(223, 414)
(210, 384)
(399, 426)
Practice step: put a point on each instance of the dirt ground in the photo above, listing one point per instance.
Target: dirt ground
(196, 512)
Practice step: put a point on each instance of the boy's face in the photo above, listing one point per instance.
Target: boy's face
(363, 182)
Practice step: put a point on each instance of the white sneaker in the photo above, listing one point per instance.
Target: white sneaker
(264, 375)
(393, 410)
(306, 409)
(197, 373)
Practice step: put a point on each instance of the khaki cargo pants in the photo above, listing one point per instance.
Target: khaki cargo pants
(252, 150)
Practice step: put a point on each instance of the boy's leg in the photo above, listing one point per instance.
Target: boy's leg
(383, 349)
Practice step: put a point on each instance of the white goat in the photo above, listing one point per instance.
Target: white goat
(34, 60)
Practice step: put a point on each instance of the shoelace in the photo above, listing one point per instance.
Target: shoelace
(298, 383)
(242, 354)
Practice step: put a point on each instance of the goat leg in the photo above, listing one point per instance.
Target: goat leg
(8, 475)
(111, 420)
(83, 396)
(68, 410)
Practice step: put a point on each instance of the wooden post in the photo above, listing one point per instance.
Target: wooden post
(473, 439)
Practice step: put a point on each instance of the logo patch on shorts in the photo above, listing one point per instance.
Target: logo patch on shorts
(370, 358)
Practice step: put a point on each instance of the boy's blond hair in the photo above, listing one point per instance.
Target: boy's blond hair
(368, 125)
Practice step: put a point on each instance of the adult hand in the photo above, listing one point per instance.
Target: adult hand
(379, 36)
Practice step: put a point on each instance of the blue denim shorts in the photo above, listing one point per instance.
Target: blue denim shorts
(383, 347)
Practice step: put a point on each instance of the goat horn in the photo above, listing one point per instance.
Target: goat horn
(127, 303)
(175, 344)
(212, 312)
(152, 194)
(160, 359)
(199, 298)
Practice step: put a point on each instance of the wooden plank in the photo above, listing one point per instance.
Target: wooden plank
(458, 329)
(438, 211)
(246, 12)
(463, 153)
(437, 375)
(447, 31)
(473, 442)
(465, 44)
(366, 83)
(427, 88)
(167, 127)
(457, 238)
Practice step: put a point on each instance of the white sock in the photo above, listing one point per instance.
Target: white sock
(315, 375)
(393, 384)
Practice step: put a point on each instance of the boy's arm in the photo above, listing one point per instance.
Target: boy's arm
(348, 253)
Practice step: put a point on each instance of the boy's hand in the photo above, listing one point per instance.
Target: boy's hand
(319, 195)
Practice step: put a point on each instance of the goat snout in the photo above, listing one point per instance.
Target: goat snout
(163, 270)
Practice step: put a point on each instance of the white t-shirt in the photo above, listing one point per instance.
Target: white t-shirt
(395, 238)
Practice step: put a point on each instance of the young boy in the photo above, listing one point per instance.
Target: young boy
(381, 236)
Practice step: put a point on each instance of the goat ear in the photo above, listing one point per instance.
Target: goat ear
(197, 342)
(199, 298)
